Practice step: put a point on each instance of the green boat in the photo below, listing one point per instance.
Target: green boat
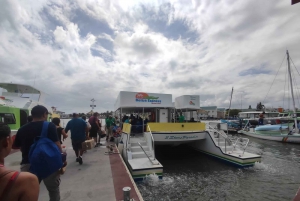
(16, 102)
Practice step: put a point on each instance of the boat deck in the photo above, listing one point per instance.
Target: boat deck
(241, 155)
(100, 177)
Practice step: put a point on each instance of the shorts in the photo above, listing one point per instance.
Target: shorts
(93, 133)
(77, 144)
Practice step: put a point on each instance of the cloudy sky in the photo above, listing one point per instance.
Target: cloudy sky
(83, 49)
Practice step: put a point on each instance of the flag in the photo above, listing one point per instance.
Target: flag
(295, 1)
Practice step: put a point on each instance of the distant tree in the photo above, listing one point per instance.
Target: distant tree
(233, 112)
(250, 107)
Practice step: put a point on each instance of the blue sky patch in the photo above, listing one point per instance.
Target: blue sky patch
(255, 71)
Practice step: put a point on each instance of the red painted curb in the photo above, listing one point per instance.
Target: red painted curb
(121, 178)
(297, 197)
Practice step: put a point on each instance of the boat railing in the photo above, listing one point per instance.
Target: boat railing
(242, 140)
(223, 135)
(229, 141)
(246, 125)
(152, 161)
(152, 141)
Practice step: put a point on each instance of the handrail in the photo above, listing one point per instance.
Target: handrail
(234, 145)
(225, 137)
(246, 125)
(152, 139)
(229, 140)
(146, 154)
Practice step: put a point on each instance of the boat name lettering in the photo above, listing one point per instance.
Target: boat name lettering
(172, 137)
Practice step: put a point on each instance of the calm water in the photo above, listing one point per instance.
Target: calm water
(190, 175)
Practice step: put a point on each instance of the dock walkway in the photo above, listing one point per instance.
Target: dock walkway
(100, 177)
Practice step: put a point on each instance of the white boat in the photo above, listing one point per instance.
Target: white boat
(138, 150)
(282, 132)
(255, 114)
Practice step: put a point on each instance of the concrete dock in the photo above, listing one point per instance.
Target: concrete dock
(100, 177)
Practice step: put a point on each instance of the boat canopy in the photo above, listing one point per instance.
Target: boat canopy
(19, 88)
(188, 102)
(19, 95)
(130, 101)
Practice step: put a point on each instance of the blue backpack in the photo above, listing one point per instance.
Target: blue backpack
(44, 155)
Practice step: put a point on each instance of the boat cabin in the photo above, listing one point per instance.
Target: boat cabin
(255, 114)
(188, 105)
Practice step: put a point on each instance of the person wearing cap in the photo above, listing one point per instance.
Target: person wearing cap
(26, 136)
(14, 185)
(79, 132)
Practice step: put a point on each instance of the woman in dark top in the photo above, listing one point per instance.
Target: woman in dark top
(60, 130)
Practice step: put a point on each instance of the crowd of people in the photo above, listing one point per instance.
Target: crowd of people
(25, 183)
(136, 122)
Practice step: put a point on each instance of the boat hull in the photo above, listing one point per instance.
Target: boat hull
(295, 138)
(177, 138)
(141, 174)
(176, 133)
(208, 146)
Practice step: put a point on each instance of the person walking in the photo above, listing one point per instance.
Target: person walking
(95, 127)
(79, 132)
(60, 131)
(109, 123)
(26, 136)
(100, 133)
(25, 185)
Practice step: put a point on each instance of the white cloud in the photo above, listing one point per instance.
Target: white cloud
(43, 40)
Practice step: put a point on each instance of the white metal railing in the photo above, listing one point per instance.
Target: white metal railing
(152, 140)
(152, 161)
(229, 141)
(241, 139)
(224, 136)
(246, 125)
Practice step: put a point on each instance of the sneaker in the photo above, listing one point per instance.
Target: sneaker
(80, 160)
(77, 160)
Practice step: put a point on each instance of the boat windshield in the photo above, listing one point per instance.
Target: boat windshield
(7, 118)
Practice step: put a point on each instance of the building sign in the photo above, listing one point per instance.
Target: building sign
(144, 97)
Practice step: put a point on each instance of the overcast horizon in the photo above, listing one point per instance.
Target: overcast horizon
(78, 50)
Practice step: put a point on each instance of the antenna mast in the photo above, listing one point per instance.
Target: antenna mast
(292, 92)
(230, 102)
(93, 106)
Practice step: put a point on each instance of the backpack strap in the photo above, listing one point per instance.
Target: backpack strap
(45, 129)
(10, 183)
